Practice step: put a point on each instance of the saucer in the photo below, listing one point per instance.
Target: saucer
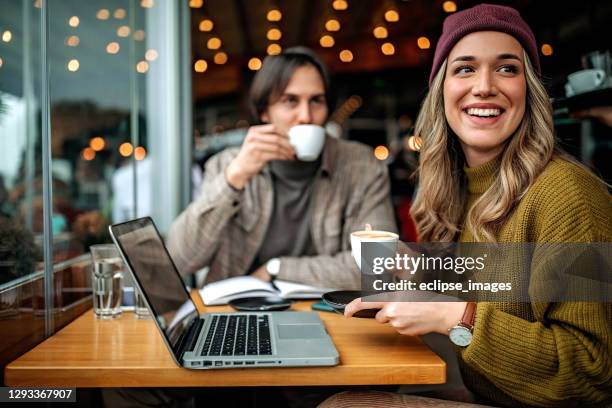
(259, 304)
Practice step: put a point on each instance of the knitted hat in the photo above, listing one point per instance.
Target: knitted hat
(484, 17)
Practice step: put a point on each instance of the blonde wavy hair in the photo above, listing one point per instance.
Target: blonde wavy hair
(441, 195)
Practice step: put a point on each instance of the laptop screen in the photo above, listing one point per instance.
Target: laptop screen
(148, 259)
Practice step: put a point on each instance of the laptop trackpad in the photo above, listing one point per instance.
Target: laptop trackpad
(300, 331)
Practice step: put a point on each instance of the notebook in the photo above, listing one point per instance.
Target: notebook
(222, 292)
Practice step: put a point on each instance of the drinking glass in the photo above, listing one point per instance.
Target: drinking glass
(106, 280)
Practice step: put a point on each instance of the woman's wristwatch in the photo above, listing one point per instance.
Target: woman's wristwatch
(461, 334)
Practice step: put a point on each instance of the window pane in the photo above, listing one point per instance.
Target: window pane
(21, 262)
(98, 63)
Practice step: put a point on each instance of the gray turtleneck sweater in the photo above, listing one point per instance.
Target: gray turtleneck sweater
(288, 233)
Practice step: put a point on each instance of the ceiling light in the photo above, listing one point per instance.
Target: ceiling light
(332, 25)
(151, 55)
(380, 32)
(112, 47)
(123, 31)
(220, 58)
(414, 143)
(72, 41)
(200, 66)
(381, 153)
(126, 149)
(346, 56)
(206, 25)
(327, 41)
(340, 5)
(73, 21)
(274, 49)
(423, 43)
(392, 16)
(213, 43)
(274, 15)
(97, 143)
(119, 14)
(140, 153)
(547, 50)
(449, 6)
(254, 64)
(142, 67)
(73, 65)
(88, 154)
(387, 48)
(103, 14)
(274, 34)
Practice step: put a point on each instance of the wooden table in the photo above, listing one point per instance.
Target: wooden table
(128, 352)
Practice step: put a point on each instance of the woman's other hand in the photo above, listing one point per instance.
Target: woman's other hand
(413, 318)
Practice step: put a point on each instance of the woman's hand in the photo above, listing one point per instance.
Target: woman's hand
(262, 144)
(413, 318)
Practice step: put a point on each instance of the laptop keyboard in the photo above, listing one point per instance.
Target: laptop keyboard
(238, 335)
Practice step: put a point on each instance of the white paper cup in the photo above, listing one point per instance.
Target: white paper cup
(358, 237)
(307, 140)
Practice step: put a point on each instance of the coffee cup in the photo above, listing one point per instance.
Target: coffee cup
(389, 239)
(586, 80)
(307, 140)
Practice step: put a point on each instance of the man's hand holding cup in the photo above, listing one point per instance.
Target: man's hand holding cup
(263, 143)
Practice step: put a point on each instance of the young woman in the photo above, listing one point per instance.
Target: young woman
(490, 172)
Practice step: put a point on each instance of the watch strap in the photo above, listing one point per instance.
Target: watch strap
(469, 316)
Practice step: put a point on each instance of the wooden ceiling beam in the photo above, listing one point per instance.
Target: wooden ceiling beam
(217, 81)
(244, 25)
(307, 11)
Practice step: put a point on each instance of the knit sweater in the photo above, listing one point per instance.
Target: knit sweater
(544, 354)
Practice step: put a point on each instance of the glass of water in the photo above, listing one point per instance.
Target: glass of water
(106, 280)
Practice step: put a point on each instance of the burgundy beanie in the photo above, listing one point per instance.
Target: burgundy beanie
(484, 17)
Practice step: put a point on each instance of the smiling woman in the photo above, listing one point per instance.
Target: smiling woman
(490, 171)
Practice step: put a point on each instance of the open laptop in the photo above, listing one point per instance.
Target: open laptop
(215, 340)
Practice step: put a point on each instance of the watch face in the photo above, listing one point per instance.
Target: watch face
(460, 336)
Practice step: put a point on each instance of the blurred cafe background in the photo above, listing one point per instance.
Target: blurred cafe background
(110, 108)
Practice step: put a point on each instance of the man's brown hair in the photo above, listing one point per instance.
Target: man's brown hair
(275, 74)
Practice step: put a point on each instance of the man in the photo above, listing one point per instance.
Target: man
(264, 212)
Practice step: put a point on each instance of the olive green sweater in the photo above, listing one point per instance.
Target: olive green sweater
(544, 354)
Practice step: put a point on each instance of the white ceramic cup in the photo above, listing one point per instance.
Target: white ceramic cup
(586, 80)
(307, 140)
(359, 237)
